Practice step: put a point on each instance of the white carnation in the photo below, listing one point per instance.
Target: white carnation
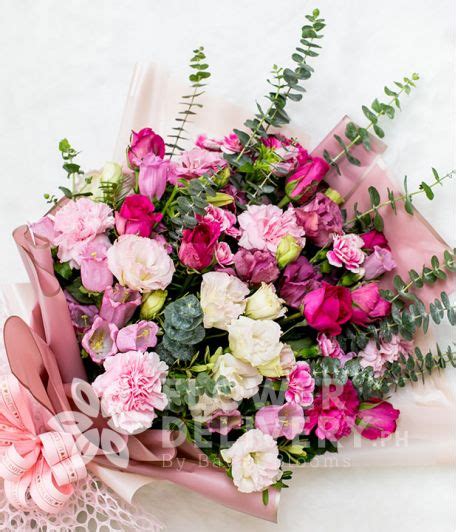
(243, 378)
(222, 299)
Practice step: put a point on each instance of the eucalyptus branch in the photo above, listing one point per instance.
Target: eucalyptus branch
(197, 63)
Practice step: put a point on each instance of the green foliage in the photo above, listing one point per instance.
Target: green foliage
(72, 169)
(360, 135)
(183, 329)
(199, 74)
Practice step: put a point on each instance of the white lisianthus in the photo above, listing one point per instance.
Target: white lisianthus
(281, 365)
(243, 378)
(256, 342)
(254, 459)
(222, 299)
(265, 304)
(93, 181)
(202, 410)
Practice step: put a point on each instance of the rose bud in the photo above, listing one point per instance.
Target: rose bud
(302, 185)
(143, 143)
(152, 304)
(288, 251)
(376, 419)
(368, 305)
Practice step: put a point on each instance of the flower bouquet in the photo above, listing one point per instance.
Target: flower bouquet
(231, 309)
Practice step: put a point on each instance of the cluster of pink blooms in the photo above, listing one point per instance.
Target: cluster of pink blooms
(253, 269)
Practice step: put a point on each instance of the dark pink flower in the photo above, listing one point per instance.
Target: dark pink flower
(301, 385)
(286, 420)
(137, 216)
(368, 305)
(298, 278)
(320, 218)
(143, 143)
(256, 266)
(374, 238)
(303, 184)
(206, 143)
(223, 422)
(198, 245)
(327, 308)
(119, 304)
(231, 144)
(376, 419)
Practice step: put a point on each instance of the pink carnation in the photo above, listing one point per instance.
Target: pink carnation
(264, 226)
(330, 347)
(231, 144)
(347, 252)
(78, 223)
(377, 356)
(207, 143)
(131, 390)
(223, 254)
(300, 385)
(225, 219)
(197, 162)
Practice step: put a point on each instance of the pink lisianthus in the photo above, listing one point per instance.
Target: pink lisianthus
(223, 254)
(368, 305)
(226, 220)
(333, 413)
(44, 228)
(197, 162)
(301, 385)
(78, 223)
(374, 238)
(330, 347)
(320, 218)
(327, 308)
(95, 274)
(255, 266)
(100, 340)
(131, 390)
(119, 304)
(231, 144)
(299, 278)
(138, 336)
(264, 226)
(286, 420)
(303, 184)
(207, 143)
(376, 419)
(346, 252)
(144, 143)
(154, 174)
(198, 245)
(82, 316)
(137, 216)
(223, 422)
(378, 263)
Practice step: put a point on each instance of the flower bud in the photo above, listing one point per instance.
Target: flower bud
(288, 251)
(222, 177)
(152, 304)
(265, 304)
(220, 199)
(334, 196)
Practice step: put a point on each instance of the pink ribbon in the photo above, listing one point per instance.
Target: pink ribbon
(41, 466)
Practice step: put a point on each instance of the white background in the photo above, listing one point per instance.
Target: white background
(65, 71)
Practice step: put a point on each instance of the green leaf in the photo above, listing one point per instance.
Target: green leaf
(427, 190)
(63, 269)
(374, 196)
(369, 114)
(265, 497)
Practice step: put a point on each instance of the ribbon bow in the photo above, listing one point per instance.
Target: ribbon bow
(41, 466)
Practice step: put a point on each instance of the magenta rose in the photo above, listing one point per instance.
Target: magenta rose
(143, 143)
(302, 185)
(320, 218)
(374, 238)
(327, 308)
(137, 216)
(376, 419)
(298, 278)
(368, 305)
(198, 245)
(255, 266)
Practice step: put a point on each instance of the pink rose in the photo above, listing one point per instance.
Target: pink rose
(231, 144)
(378, 262)
(131, 390)
(223, 422)
(95, 274)
(119, 304)
(223, 254)
(137, 216)
(376, 419)
(256, 266)
(77, 223)
(139, 336)
(299, 278)
(197, 162)
(327, 308)
(100, 340)
(154, 174)
(300, 385)
(303, 184)
(198, 245)
(347, 252)
(286, 420)
(368, 305)
(206, 143)
(144, 143)
(320, 218)
(374, 238)
(264, 226)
